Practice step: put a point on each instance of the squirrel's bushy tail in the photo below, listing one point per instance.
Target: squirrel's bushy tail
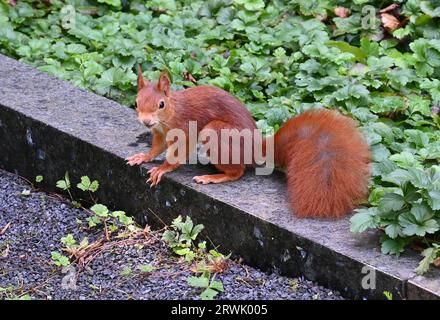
(327, 162)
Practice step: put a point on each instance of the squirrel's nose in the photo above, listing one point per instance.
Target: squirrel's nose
(148, 123)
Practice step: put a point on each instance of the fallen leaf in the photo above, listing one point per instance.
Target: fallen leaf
(390, 22)
(436, 262)
(189, 77)
(391, 7)
(342, 12)
(12, 2)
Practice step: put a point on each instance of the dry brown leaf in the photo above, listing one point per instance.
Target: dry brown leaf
(390, 22)
(436, 262)
(189, 77)
(146, 231)
(342, 12)
(391, 7)
(218, 266)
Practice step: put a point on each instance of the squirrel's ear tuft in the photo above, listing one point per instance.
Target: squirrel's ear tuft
(164, 83)
(141, 82)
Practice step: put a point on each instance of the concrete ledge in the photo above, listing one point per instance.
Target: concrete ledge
(48, 126)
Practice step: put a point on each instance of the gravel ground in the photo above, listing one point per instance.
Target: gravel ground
(36, 223)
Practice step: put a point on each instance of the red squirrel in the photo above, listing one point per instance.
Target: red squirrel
(326, 157)
(161, 109)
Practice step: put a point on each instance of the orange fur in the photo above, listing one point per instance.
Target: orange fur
(327, 161)
(211, 107)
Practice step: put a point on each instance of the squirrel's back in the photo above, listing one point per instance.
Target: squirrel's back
(208, 103)
(327, 162)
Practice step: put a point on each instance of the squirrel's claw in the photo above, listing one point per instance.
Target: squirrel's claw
(137, 159)
(156, 174)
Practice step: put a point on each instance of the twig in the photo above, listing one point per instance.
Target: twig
(5, 228)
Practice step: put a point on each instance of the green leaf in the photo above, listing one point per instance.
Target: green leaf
(251, 5)
(393, 246)
(64, 184)
(196, 231)
(93, 221)
(388, 295)
(375, 195)
(418, 221)
(363, 219)
(87, 185)
(434, 199)
(75, 48)
(59, 260)
(169, 237)
(126, 271)
(217, 285)
(391, 202)
(428, 8)
(84, 184)
(68, 240)
(393, 230)
(398, 177)
(146, 268)
(200, 282)
(369, 48)
(429, 254)
(419, 138)
(380, 152)
(122, 217)
(114, 3)
(208, 294)
(182, 251)
(404, 160)
(345, 47)
(100, 210)
(419, 178)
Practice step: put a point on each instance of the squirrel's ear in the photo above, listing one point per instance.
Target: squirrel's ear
(164, 83)
(141, 82)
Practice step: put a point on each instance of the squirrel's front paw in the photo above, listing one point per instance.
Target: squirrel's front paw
(156, 174)
(138, 159)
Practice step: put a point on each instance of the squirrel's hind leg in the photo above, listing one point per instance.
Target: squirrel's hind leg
(231, 173)
(216, 145)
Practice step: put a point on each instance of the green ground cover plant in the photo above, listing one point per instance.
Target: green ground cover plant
(119, 229)
(377, 61)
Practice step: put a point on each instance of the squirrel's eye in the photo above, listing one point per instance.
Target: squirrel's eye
(161, 104)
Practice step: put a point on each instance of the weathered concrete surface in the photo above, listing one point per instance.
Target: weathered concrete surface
(48, 126)
(426, 287)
